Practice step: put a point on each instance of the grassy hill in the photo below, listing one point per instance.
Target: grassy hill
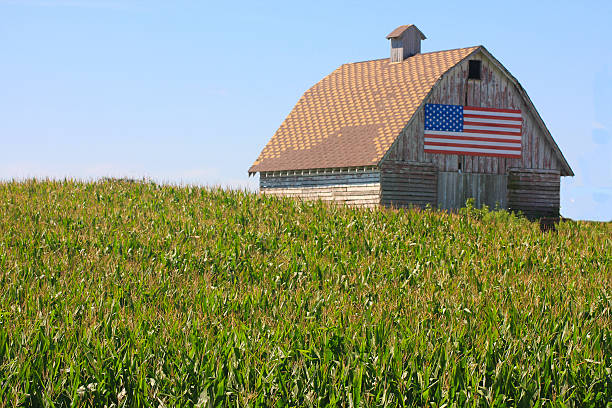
(137, 294)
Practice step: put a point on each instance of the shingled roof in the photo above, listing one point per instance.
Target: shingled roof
(401, 29)
(352, 116)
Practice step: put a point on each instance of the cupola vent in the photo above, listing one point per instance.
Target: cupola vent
(405, 42)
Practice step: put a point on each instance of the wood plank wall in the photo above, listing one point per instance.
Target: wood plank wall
(494, 90)
(408, 184)
(397, 50)
(534, 193)
(360, 189)
(406, 45)
(455, 188)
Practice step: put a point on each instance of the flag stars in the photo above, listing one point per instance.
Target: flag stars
(444, 117)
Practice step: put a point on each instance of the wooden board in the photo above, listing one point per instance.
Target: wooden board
(351, 188)
(454, 189)
(406, 184)
(534, 193)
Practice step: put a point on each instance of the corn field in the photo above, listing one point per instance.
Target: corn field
(118, 293)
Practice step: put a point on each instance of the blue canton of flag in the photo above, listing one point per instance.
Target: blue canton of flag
(444, 117)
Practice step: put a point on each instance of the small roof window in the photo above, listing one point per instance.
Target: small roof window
(475, 69)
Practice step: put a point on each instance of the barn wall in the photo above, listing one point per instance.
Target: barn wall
(494, 90)
(360, 189)
(408, 184)
(454, 189)
(534, 193)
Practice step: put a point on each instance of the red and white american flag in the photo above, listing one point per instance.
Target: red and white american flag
(474, 131)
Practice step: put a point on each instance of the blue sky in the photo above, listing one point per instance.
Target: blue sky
(190, 91)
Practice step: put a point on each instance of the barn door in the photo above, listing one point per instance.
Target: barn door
(455, 188)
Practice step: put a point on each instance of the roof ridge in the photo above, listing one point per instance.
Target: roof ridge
(422, 53)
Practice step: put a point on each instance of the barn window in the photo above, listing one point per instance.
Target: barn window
(474, 69)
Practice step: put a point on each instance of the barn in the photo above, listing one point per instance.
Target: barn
(417, 129)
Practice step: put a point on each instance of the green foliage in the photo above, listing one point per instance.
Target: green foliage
(135, 294)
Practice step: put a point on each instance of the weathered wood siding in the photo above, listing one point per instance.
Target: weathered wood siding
(406, 45)
(356, 189)
(454, 189)
(408, 184)
(494, 90)
(534, 192)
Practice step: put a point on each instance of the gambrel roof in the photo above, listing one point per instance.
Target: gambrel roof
(352, 116)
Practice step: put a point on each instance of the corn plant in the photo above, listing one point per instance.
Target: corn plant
(117, 293)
